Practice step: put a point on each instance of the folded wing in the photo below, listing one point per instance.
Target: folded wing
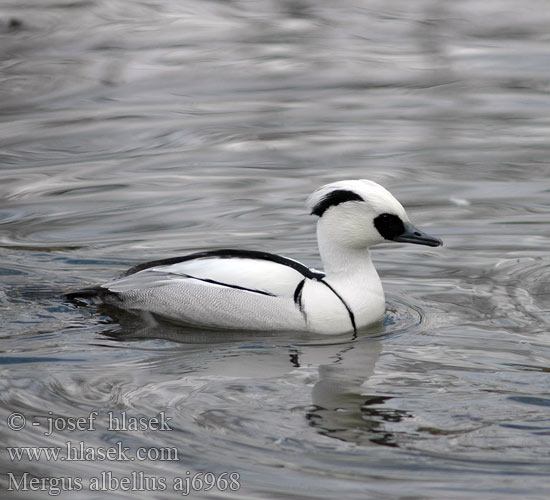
(247, 272)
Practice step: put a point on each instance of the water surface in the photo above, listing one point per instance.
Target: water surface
(136, 130)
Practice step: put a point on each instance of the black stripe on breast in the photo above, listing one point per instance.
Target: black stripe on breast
(350, 312)
(231, 254)
(298, 293)
(298, 297)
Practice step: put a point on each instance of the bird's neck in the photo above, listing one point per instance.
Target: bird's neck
(341, 260)
(351, 273)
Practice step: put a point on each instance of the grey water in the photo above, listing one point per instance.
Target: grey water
(138, 130)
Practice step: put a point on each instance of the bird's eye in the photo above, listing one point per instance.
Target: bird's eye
(389, 226)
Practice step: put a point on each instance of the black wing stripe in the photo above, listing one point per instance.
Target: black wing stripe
(237, 287)
(231, 254)
(350, 312)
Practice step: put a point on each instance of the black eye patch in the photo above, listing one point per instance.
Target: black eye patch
(334, 198)
(389, 226)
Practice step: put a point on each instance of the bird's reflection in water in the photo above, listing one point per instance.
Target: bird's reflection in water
(341, 408)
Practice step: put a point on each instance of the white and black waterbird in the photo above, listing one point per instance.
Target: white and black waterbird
(252, 290)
